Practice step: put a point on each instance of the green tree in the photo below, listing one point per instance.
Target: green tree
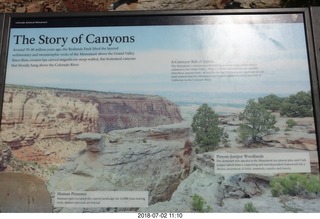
(256, 122)
(290, 123)
(297, 105)
(271, 102)
(205, 126)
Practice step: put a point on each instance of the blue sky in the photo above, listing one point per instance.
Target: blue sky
(279, 50)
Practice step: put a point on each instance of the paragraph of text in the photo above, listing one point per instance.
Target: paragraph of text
(207, 70)
(99, 199)
(67, 57)
(262, 163)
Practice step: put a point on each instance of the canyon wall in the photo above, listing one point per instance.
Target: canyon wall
(34, 113)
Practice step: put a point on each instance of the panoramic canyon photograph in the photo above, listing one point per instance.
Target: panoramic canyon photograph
(73, 140)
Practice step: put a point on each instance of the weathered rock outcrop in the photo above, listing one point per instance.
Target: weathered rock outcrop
(94, 141)
(33, 113)
(259, 3)
(33, 6)
(124, 5)
(229, 192)
(244, 185)
(153, 159)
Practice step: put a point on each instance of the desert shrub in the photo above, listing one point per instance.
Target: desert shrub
(297, 105)
(271, 102)
(295, 185)
(250, 208)
(290, 123)
(199, 204)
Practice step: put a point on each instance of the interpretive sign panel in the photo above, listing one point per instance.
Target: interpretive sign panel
(156, 112)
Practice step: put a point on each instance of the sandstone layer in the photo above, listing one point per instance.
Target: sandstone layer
(31, 114)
